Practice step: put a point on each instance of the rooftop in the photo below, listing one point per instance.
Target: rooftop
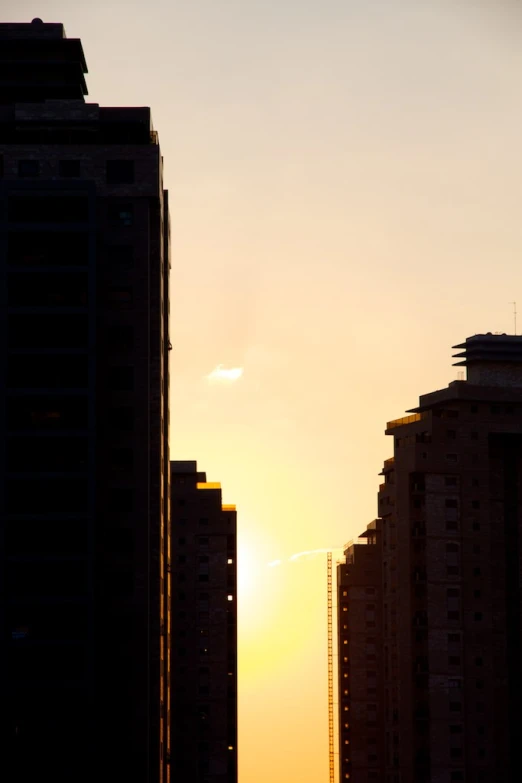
(38, 62)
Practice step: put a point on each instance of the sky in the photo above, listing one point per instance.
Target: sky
(345, 182)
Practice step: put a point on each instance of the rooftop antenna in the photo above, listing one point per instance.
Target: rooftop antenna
(514, 314)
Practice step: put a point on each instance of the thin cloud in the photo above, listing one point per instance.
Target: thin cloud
(307, 554)
(222, 374)
(311, 553)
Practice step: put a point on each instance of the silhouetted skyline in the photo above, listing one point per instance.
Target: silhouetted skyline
(344, 178)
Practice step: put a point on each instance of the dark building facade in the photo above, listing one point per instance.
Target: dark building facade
(204, 630)
(451, 559)
(84, 424)
(359, 601)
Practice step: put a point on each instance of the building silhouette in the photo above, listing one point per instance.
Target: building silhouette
(445, 566)
(359, 657)
(84, 423)
(204, 630)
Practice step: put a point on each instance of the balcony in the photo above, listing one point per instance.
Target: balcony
(406, 420)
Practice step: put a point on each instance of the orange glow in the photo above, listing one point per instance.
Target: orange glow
(344, 210)
(208, 485)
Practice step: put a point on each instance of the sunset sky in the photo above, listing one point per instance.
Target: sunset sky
(345, 180)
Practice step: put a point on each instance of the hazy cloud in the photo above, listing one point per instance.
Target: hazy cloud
(222, 374)
(308, 554)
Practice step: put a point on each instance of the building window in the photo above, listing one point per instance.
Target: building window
(121, 378)
(451, 434)
(476, 572)
(121, 500)
(28, 168)
(122, 458)
(70, 168)
(476, 526)
(474, 436)
(450, 481)
(475, 504)
(122, 419)
(121, 295)
(120, 172)
(121, 256)
(478, 616)
(451, 457)
(122, 215)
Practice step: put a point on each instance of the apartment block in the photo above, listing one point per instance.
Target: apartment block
(360, 659)
(84, 423)
(451, 554)
(204, 630)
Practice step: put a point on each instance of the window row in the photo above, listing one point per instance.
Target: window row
(118, 172)
(67, 371)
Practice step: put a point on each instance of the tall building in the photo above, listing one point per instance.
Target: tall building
(204, 630)
(359, 601)
(84, 423)
(451, 559)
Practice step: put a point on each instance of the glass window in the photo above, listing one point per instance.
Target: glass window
(121, 215)
(28, 168)
(120, 172)
(121, 378)
(70, 168)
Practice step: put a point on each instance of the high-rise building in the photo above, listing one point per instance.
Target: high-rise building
(84, 424)
(359, 601)
(204, 630)
(451, 559)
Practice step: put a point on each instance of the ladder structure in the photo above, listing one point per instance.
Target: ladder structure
(331, 751)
